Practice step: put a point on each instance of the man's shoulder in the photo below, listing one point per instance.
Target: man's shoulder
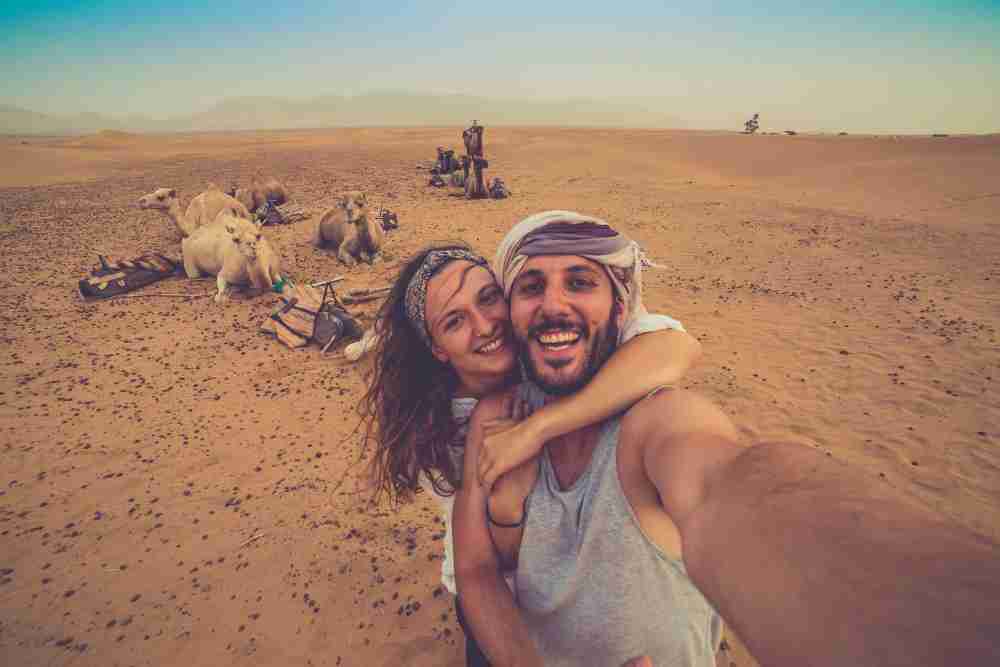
(649, 322)
(669, 411)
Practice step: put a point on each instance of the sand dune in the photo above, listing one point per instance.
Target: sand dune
(177, 489)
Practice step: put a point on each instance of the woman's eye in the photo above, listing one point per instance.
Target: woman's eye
(490, 298)
(580, 283)
(450, 324)
(529, 289)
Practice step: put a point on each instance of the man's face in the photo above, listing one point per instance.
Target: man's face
(566, 319)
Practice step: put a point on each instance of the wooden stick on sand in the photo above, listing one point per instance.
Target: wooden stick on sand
(179, 295)
(324, 283)
(365, 294)
(253, 539)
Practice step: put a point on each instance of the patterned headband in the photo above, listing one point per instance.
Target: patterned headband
(416, 291)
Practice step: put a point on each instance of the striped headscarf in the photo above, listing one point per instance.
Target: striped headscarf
(569, 233)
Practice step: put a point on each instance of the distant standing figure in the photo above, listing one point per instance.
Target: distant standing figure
(473, 139)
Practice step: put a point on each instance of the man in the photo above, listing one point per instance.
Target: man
(810, 562)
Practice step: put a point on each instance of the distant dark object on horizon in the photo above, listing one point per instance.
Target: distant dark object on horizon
(791, 133)
(939, 135)
(842, 134)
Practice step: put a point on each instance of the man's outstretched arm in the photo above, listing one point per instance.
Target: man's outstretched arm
(812, 561)
(487, 601)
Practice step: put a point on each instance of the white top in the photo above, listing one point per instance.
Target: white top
(461, 412)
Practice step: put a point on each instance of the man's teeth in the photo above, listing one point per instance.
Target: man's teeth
(558, 338)
(492, 347)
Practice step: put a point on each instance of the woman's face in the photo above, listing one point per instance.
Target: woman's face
(468, 322)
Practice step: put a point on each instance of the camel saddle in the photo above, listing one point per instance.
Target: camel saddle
(113, 277)
(307, 315)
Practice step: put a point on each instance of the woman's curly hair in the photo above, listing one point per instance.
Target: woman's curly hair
(407, 407)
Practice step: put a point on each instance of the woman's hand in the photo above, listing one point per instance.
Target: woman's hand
(507, 443)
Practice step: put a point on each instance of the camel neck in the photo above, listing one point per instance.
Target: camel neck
(174, 212)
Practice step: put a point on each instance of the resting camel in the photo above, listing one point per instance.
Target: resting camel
(235, 251)
(259, 191)
(349, 227)
(202, 210)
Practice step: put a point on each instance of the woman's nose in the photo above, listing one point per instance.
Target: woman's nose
(482, 325)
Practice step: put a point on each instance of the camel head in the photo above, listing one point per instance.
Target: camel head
(354, 205)
(246, 235)
(159, 200)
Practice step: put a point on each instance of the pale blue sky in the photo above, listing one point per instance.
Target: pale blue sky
(908, 66)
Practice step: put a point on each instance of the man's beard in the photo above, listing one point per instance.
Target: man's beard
(604, 344)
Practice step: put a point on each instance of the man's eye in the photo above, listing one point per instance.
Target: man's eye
(530, 289)
(580, 284)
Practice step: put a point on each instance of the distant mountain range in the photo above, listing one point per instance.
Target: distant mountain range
(372, 109)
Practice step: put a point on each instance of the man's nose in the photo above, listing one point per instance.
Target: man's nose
(554, 301)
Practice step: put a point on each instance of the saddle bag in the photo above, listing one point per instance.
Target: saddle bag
(305, 315)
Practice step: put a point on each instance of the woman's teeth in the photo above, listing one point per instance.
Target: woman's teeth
(491, 347)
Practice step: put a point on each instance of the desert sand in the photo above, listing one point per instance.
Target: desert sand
(178, 489)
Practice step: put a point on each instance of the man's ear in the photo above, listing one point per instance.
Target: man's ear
(618, 312)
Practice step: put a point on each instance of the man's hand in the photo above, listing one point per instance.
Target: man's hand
(507, 443)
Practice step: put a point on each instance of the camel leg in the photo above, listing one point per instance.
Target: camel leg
(317, 237)
(223, 294)
(344, 254)
(189, 266)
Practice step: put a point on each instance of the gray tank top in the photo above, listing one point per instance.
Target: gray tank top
(594, 589)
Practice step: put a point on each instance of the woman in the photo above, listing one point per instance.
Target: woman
(444, 342)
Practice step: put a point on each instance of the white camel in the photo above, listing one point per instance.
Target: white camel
(235, 251)
(202, 210)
